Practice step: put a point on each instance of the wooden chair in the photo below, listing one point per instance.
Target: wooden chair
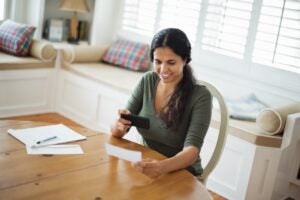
(221, 140)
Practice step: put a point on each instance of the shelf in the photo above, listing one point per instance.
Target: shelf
(51, 12)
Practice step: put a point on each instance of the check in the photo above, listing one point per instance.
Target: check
(125, 154)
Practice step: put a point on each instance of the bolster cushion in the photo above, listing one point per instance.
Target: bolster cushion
(42, 50)
(272, 120)
(83, 53)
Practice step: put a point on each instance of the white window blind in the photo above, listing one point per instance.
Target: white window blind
(140, 16)
(149, 16)
(183, 14)
(2, 9)
(226, 26)
(278, 37)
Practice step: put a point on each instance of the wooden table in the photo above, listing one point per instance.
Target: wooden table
(93, 175)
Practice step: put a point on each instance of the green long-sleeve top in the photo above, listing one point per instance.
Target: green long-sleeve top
(193, 125)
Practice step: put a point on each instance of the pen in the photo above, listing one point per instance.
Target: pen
(46, 139)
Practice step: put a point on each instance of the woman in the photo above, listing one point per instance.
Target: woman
(179, 110)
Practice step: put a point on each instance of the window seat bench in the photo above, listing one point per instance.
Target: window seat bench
(10, 62)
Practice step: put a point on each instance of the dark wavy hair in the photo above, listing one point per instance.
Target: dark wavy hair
(176, 40)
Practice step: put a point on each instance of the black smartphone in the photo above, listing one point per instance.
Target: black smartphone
(138, 121)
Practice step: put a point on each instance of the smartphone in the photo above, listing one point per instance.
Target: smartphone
(138, 121)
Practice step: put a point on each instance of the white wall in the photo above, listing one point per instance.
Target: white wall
(106, 21)
(29, 12)
(16, 11)
(33, 16)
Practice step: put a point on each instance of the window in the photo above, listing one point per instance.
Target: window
(249, 32)
(278, 34)
(2, 10)
(226, 27)
(139, 16)
(183, 14)
(148, 16)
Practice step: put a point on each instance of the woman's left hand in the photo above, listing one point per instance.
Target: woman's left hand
(150, 167)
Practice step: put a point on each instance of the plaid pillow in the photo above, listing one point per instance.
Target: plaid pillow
(16, 38)
(128, 54)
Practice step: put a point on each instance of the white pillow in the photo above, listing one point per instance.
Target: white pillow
(272, 120)
(43, 50)
(83, 53)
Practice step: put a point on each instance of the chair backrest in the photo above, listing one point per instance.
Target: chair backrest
(221, 140)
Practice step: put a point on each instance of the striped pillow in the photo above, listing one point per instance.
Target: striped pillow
(16, 38)
(128, 54)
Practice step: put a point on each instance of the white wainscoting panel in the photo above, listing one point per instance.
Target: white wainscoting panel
(77, 99)
(263, 173)
(231, 175)
(26, 91)
(87, 102)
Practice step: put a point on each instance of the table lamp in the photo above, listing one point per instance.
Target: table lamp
(74, 6)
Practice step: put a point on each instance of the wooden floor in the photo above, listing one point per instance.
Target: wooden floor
(56, 119)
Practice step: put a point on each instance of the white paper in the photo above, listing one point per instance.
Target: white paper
(55, 149)
(125, 154)
(30, 136)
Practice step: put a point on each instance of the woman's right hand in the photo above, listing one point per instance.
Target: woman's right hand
(121, 126)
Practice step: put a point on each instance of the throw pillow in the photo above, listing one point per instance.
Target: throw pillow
(16, 38)
(128, 54)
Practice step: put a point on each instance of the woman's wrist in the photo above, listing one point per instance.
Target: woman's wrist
(116, 132)
(164, 166)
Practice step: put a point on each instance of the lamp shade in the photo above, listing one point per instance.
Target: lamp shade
(74, 6)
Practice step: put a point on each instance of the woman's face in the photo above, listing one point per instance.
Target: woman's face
(168, 65)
